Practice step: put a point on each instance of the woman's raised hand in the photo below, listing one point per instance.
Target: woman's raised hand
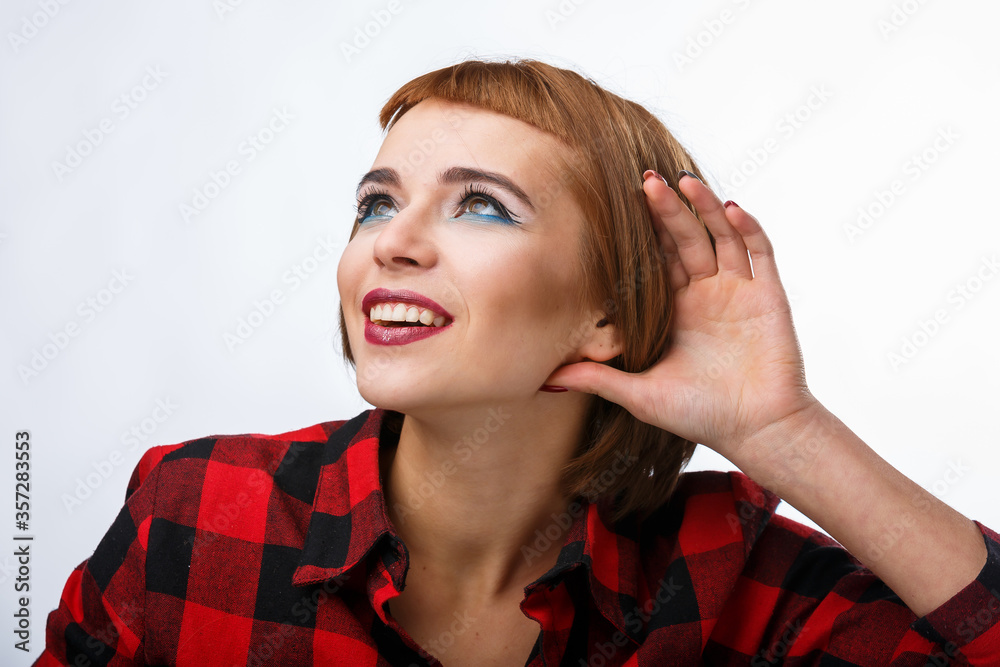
(733, 367)
(732, 379)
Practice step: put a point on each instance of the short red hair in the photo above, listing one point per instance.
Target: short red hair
(610, 142)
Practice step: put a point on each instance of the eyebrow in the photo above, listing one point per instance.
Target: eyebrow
(390, 177)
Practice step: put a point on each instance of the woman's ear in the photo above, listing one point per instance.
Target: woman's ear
(603, 342)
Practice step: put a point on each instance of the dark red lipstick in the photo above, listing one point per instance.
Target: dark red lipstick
(400, 335)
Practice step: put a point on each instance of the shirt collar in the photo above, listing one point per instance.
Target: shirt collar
(349, 522)
(348, 519)
(608, 555)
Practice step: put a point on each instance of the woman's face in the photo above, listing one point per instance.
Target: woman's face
(463, 284)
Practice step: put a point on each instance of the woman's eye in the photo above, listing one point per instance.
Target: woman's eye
(380, 209)
(484, 207)
(375, 208)
(479, 206)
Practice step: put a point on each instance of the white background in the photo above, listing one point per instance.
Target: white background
(885, 93)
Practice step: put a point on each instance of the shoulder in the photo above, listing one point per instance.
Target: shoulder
(720, 538)
(728, 517)
(249, 458)
(711, 510)
(707, 531)
(719, 527)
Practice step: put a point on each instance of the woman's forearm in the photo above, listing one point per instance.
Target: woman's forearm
(925, 551)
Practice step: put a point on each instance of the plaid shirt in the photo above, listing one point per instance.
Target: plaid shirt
(277, 550)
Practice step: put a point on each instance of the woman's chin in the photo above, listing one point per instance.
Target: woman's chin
(387, 398)
(401, 396)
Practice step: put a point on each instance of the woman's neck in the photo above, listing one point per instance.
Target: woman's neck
(467, 491)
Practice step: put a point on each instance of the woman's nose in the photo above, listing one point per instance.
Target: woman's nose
(406, 240)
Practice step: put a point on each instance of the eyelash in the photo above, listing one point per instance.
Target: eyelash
(373, 195)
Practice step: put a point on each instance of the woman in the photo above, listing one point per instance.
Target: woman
(546, 326)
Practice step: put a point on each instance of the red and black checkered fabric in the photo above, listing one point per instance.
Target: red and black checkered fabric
(277, 550)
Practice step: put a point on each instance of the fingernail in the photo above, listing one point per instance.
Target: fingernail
(685, 172)
(552, 389)
(730, 202)
(650, 173)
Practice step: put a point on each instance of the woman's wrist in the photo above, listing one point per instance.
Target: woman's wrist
(893, 526)
(784, 449)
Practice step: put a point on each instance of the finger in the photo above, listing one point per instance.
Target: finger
(756, 241)
(677, 276)
(730, 250)
(594, 378)
(673, 218)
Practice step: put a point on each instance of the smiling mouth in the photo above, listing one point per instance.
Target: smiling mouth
(394, 314)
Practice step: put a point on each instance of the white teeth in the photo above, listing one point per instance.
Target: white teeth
(402, 312)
